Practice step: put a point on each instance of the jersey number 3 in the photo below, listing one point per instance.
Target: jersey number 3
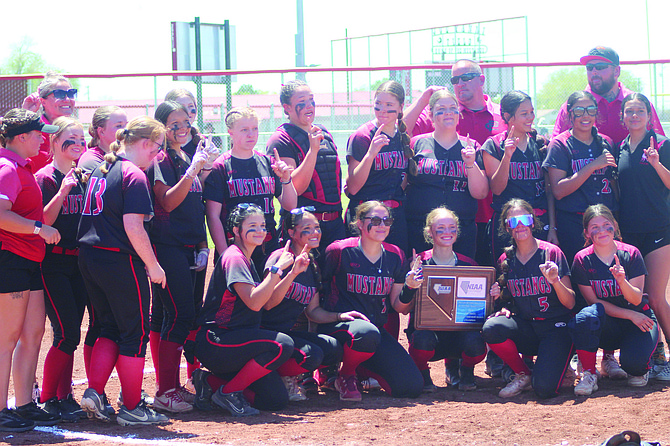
(96, 187)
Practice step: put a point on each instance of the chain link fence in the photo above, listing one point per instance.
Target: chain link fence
(344, 96)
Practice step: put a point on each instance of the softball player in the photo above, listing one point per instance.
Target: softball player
(378, 154)
(22, 248)
(366, 275)
(464, 349)
(644, 178)
(65, 294)
(311, 151)
(537, 303)
(186, 98)
(243, 175)
(107, 120)
(513, 162)
(447, 174)
(610, 275)
(230, 343)
(581, 170)
(115, 258)
(180, 243)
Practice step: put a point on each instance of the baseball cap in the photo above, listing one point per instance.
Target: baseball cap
(601, 54)
(33, 124)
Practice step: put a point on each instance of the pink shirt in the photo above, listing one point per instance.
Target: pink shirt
(18, 185)
(608, 120)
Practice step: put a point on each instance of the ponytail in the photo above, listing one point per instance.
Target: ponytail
(406, 149)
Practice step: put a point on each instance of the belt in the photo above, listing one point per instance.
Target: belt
(390, 203)
(327, 216)
(539, 318)
(65, 251)
(539, 212)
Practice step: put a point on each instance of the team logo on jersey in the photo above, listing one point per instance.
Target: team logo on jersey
(390, 160)
(560, 324)
(606, 288)
(526, 170)
(72, 204)
(372, 285)
(244, 187)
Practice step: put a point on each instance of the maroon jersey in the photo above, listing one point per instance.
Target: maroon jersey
(532, 295)
(304, 287)
(91, 159)
(222, 306)
(355, 283)
(50, 179)
(124, 189)
(461, 260)
(589, 270)
(387, 170)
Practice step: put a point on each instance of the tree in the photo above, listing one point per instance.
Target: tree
(562, 83)
(22, 60)
(248, 89)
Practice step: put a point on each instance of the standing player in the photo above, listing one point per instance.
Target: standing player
(107, 120)
(581, 171)
(610, 275)
(366, 275)
(513, 161)
(537, 300)
(186, 98)
(464, 348)
(230, 343)
(447, 174)
(22, 248)
(65, 294)
(311, 151)
(644, 178)
(377, 158)
(117, 262)
(243, 175)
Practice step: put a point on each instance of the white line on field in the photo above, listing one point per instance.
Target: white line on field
(126, 439)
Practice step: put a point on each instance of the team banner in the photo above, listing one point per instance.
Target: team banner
(454, 298)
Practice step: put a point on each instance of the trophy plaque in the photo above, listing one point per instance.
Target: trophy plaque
(454, 298)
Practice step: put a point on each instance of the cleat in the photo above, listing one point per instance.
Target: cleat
(638, 381)
(347, 386)
(609, 366)
(140, 416)
(467, 375)
(295, 391)
(172, 401)
(428, 385)
(40, 417)
(587, 384)
(520, 383)
(203, 391)
(11, 422)
(235, 403)
(94, 405)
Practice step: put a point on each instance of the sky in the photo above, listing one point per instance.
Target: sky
(134, 36)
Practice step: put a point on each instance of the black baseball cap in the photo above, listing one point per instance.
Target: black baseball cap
(601, 54)
(33, 124)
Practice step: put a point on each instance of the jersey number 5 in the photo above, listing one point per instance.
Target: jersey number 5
(544, 305)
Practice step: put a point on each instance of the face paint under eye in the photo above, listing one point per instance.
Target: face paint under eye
(67, 143)
(597, 231)
(193, 111)
(446, 231)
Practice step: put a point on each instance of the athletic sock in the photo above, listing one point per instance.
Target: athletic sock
(352, 359)
(510, 355)
(103, 359)
(154, 346)
(421, 357)
(215, 382)
(471, 361)
(588, 360)
(55, 364)
(169, 355)
(251, 372)
(190, 368)
(131, 374)
(65, 384)
(291, 368)
(88, 351)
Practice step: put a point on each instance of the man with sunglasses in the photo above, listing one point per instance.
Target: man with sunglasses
(602, 71)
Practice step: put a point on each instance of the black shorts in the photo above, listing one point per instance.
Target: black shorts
(18, 273)
(648, 242)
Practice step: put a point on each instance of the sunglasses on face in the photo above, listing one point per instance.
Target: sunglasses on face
(598, 66)
(591, 110)
(526, 220)
(62, 94)
(464, 77)
(377, 221)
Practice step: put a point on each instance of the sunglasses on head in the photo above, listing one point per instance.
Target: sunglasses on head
(526, 220)
(464, 77)
(62, 94)
(301, 210)
(592, 110)
(598, 66)
(252, 206)
(377, 221)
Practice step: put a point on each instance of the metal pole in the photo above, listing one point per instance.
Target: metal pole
(198, 67)
(300, 41)
(228, 80)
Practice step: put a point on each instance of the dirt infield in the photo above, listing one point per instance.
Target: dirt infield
(446, 417)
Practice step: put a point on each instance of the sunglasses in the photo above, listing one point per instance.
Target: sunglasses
(301, 210)
(467, 77)
(377, 221)
(62, 94)
(592, 110)
(251, 206)
(526, 220)
(598, 66)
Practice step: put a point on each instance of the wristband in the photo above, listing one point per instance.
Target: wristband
(38, 227)
(290, 180)
(407, 294)
(274, 269)
(470, 167)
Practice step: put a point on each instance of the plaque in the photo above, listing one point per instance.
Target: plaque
(454, 298)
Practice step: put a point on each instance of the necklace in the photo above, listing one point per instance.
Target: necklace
(381, 260)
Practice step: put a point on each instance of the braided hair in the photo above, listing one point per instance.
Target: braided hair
(395, 89)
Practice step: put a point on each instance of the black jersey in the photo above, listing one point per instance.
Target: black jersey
(526, 177)
(354, 283)
(124, 189)
(91, 159)
(325, 189)
(49, 179)
(644, 199)
(570, 155)
(386, 173)
(441, 179)
(235, 180)
(185, 224)
(301, 292)
(461, 260)
(533, 296)
(589, 270)
(222, 305)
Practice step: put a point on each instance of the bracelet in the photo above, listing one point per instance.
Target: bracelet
(290, 180)
(470, 167)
